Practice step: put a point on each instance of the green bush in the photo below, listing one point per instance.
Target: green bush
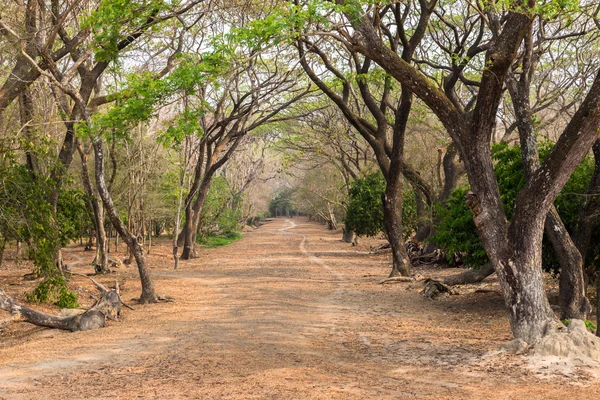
(26, 215)
(54, 290)
(456, 230)
(364, 214)
(221, 213)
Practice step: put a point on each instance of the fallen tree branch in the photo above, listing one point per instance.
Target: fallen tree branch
(107, 307)
(469, 276)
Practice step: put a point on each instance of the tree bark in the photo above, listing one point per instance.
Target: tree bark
(572, 299)
(2, 247)
(571, 294)
(192, 220)
(347, 235)
(148, 294)
(97, 208)
(589, 211)
(470, 276)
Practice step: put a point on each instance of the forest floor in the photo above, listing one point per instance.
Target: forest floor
(287, 312)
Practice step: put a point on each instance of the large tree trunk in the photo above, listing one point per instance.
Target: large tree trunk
(392, 198)
(392, 214)
(521, 280)
(572, 299)
(148, 294)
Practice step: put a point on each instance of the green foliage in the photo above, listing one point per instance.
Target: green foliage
(210, 242)
(221, 212)
(113, 20)
(145, 92)
(282, 203)
(54, 290)
(365, 207)
(26, 215)
(456, 230)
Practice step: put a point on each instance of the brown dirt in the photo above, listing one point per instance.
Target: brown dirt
(288, 312)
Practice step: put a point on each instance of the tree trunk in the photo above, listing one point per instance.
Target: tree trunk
(192, 219)
(589, 211)
(101, 266)
(572, 300)
(148, 294)
(424, 225)
(2, 247)
(571, 294)
(451, 172)
(347, 235)
(188, 238)
(520, 278)
(392, 213)
(331, 220)
(149, 238)
(597, 307)
(97, 211)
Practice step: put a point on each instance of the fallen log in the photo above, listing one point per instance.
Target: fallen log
(108, 307)
(469, 276)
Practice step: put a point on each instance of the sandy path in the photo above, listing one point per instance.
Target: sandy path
(288, 312)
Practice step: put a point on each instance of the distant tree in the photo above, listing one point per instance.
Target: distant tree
(281, 204)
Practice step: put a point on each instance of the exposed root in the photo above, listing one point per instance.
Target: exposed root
(573, 342)
(165, 299)
(157, 299)
(402, 279)
(469, 276)
(397, 279)
(433, 289)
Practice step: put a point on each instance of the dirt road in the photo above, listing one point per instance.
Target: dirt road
(288, 312)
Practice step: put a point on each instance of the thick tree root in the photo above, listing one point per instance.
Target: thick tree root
(469, 276)
(397, 279)
(574, 341)
(402, 279)
(107, 307)
(160, 298)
